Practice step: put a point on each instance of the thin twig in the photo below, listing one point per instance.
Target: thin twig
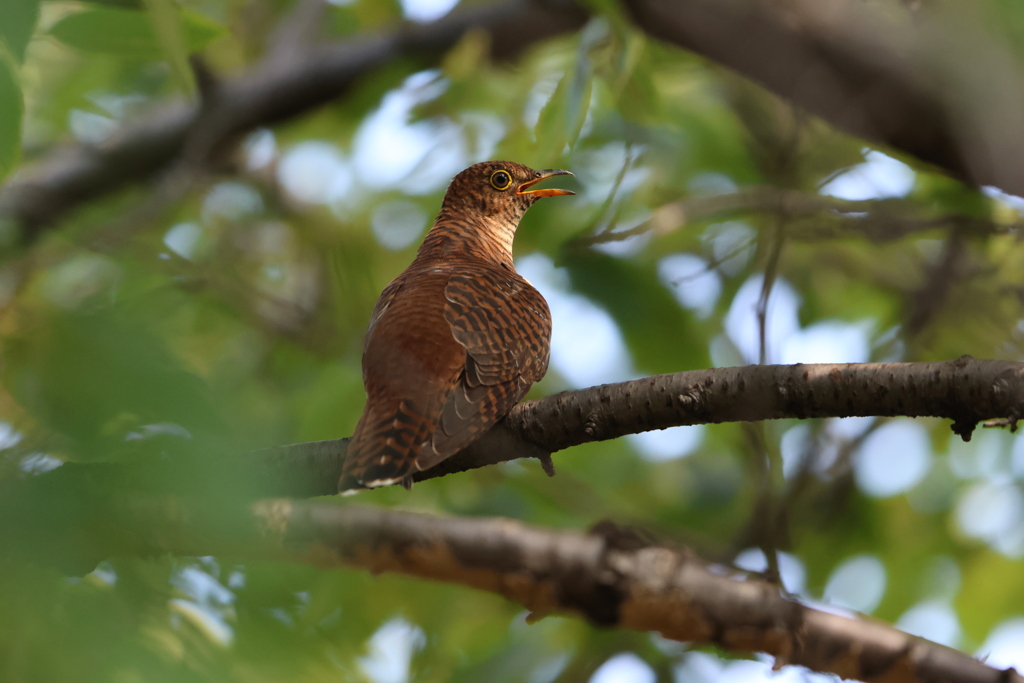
(813, 217)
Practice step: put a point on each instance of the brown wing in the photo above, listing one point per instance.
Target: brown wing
(448, 353)
(410, 364)
(505, 327)
(381, 307)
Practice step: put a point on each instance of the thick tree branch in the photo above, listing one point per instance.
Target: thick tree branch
(72, 517)
(610, 576)
(939, 88)
(43, 516)
(272, 92)
(942, 85)
(616, 580)
(966, 391)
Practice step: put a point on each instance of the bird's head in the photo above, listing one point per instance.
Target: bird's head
(501, 190)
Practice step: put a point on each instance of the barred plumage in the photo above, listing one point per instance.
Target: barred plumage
(458, 338)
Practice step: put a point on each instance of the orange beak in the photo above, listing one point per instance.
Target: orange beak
(547, 192)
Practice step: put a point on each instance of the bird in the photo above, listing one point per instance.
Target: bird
(458, 338)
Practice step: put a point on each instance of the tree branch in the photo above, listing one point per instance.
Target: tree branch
(890, 82)
(615, 579)
(966, 391)
(810, 217)
(940, 85)
(43, 516)
(610, 576)
(274, 91)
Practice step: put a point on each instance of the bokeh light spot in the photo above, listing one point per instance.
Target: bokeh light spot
(624, 667)
(879, 177)
(673, 443)
(691, 280)
(893, 459)
(397, 224)
(858, 583)
(933, 619)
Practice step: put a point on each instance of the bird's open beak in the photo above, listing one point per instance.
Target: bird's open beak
(546, 192)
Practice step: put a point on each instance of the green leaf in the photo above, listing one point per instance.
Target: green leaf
(12, 108)
(582, 83)
(116, 3)
(578, 97)
(550, 129)
(561, 119)
(128, 33)
(17, 21)
(97, 377)
(165, 18)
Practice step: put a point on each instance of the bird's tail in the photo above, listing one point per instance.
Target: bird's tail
(384, 447)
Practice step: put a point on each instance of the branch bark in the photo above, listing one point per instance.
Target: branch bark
(939, 88)
(47, 517)
(274, 91)
(966, 391)
(610, 576)
(72, 517)
(616, 580)
(940, 85)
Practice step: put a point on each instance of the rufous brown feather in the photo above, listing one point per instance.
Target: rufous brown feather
(458, 338)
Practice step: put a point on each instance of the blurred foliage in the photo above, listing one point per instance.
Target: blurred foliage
(128, 33)
(233, 320)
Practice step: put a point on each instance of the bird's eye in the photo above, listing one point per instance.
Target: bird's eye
(501, 180)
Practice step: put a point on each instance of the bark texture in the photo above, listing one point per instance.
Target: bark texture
(45, 514)
(966, 391)
(612, 577)
(934, 85)
(284, 86)
(616, 580)
(939, 84)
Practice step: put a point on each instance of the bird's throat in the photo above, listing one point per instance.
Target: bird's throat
(487, 238)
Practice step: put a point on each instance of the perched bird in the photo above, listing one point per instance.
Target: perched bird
(458, 338)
